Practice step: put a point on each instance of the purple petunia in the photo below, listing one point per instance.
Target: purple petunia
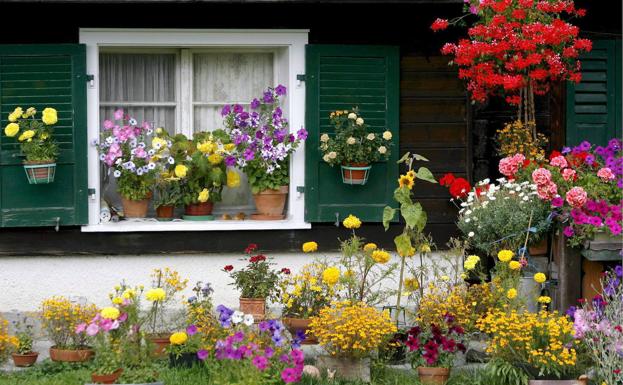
(255, 104)
(226, 110)
(268, 97)
(568, 231)
(202, 354)
(191, 330)
(280, 90)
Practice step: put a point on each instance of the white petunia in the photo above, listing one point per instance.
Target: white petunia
(117, 173)
(248, 319)
(237, 317)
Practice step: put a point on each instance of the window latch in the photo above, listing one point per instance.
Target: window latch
(90, 80)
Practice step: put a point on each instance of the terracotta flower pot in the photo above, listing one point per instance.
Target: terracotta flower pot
(296, 324)
(539, 248)
(107, 378)
(358, 175)
(199, 209)
(254, 306)
(165, 212)
(40, 172)
(433, 376)
(558, 382)
(270, 204)
(135, 209)
(25, 360)
(161, 342)
(351, 369)
(71, 355)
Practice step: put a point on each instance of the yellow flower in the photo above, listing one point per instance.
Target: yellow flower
(16, 114)
(310, 247)
(411, 174)
(117, 300)
(544, 299)
(128, 294)
(178, 338)
(405, 181)
(31, 111)
(470, 262)
(49, 116)
(511, 293)
(158, 143)
(411, 284)
(157, 294)
(425, 248)
(230, 147)
(369, 247)
(180, 171)
(110, 313)
(28, 134)
(505, 255)
(204, 195)
(380, 256)
(233, 179)
(206, 147)
(444, 278)
(331, 275)
(514, 265)
(352, 222)
(11, 129)
(387, 135)
(540, 277)
(215, 159)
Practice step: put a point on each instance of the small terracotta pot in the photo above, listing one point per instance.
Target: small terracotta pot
(135, 209)
(355, 176)
(25, 360)
(538, 248)
(161, 343)
(107, 378)
(433, 376)
(199, 209)
(165, 212)
(254, 306)
(270, 204)
(296, 324)
(71, 355)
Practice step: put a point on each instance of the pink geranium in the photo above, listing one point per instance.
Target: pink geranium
(606, 174)
(559, 161)
(547, 191)
(542, 176)
(568, 174)
(576, 197)
(510, 165)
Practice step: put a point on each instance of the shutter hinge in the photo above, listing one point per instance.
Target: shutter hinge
(91, 193)
(301, 77)
(91, 80)
(300, 189)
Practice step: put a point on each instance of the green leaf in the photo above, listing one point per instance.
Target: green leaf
(404, 158)
(388, 215)
(403, 244)
(419, 157)
(424, 174)
(414, 215)
(402, 195)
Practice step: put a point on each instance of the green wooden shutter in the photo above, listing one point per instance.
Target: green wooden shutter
(594, 105)
(342, 77)
(45, 76)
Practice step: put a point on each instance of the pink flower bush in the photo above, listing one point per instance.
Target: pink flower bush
(542, 176)
(576, 197)
(559, 161)
(568, 174)
(509, 166)
(605, 174)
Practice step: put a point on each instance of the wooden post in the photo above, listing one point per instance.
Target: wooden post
(568, 269)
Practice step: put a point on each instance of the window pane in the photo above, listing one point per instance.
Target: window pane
(159, 116)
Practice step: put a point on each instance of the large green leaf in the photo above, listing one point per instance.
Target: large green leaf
(403, 244)
(404, 158)
(424, 174)
(414, 215)
(402, 195)
(388, 215)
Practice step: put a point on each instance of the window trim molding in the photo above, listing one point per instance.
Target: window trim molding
(292, 42)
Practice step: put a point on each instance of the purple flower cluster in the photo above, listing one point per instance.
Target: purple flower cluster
(597, 214)
(261, 135)
(609, 156)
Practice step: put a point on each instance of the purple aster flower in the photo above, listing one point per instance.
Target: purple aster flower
(568, 232)
(571, 312)
(191, 330)
(226, 110)
(280, 90)
(255, 104)
(268, 97)
(202, 354)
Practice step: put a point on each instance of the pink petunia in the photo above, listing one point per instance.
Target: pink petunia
(92, 329)
(80, 328)
(119, 114)
(108, 124)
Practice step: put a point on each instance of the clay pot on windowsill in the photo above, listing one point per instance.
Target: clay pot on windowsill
(135, 208)
(25, 360)
(165, 212)
(199, 209)
(270, 204)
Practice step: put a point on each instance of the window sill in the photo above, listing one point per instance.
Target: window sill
(145, 225)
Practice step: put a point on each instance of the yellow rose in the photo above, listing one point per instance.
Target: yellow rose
(369, 247)
(215, 159)
(331, 275)
(110, 313)
(514, 265)
(180, 171)
(380, 256)
(178, 338)
(540, 277)
(204, 195)
(49, 116)
(11, 129)
(233, 179)
(511, 293)
(157, 294)
(505, 255)
(310, 247)
(352, 222)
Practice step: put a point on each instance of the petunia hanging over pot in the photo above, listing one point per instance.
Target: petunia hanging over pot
(353, 147)
(36, 142)
(264, 144)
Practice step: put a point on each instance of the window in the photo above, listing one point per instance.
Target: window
(180, 80)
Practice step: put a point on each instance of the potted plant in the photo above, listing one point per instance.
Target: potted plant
(257, 282)
(168, 194)
(263, 148)
(303, 295)
(200, 312)
(166, 284)
(23, 355)
(184, 346)
(125, 153)
(36, 142)
(350, 333)
(59, 318)
(353, 147)
(432, 350)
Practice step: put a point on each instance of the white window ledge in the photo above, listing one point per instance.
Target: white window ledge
(145, 225)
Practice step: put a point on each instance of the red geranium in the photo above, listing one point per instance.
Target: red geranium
(228, 268)
(251, 248)
(439, 25)
(447, 179)
(285, 271)
(459, 188)
(257, 258)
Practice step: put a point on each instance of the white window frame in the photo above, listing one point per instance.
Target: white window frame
(289, 46)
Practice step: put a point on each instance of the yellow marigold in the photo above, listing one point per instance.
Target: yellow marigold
(157, 294)
(369, 247)
(511, 293)
(505, 255)
(381, 256)
(470, 262)
(204, 195)
(28, 134)
(540, 277)
(310, 247)
(514, 265)
(233, 179)
(352, 222)
(544, 299)
(331, 275)
(49, 116)
(11, 129)
(405, 181)
(178, 338)
(180, 171)
(110, 313)
(117, 300)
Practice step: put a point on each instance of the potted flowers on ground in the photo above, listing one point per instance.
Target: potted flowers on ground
(257, 282)
(60, 317)
(353, 147)
(36, 142)
(263, 148)
(184, 346)
(123, 149)
(23, 355)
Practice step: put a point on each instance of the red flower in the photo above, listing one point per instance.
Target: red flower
(228, 268)
(412, 343)
(439, 25)
(459, 188)
(257, 258)
(447, 179)
(618, 328)
(251, 248)
(616, 371)
(554, 154)
(285, 271)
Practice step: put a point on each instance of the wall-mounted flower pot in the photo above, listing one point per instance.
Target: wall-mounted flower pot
(254, 306)
(71, 355)
(165, 212)
(40, 172)
(270, 204)
(539, 248)
(433, 376)
(107, 378)
(355, 173)
(135, 208)
(25, 360)
(296, 324)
